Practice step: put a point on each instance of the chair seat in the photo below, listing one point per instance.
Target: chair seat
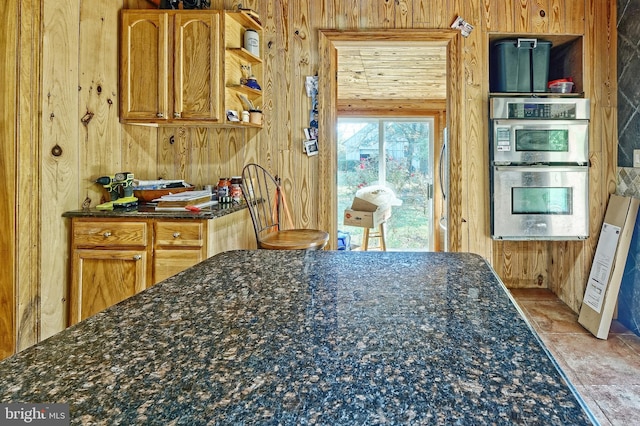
(294, 239)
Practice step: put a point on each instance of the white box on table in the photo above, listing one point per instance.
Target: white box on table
(366, 214)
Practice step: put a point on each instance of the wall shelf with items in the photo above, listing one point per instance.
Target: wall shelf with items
(240, 65)
(565, 61)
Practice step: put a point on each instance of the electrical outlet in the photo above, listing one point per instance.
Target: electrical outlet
(636, 158)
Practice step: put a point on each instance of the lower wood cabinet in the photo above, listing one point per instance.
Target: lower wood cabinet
(103, 277)
(113, 259)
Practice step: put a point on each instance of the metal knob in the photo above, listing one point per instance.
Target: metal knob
(176, 235)
(137, 257)
(176, 114)
(107, 234)
(160, 115)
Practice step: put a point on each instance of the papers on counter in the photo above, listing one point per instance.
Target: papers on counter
(184, 196)
(159, 183)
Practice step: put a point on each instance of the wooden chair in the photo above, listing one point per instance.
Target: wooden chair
(269, 210)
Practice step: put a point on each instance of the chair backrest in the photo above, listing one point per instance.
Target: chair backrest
(263, 195)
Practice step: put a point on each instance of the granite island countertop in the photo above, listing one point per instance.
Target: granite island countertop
(293, 337)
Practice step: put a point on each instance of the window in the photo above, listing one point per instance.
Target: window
(397, 153)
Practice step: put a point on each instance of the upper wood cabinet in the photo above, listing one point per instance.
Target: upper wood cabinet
(170, 67)
(182, 67)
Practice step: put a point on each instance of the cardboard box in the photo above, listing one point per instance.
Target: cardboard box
(365, 214)
(601, 295)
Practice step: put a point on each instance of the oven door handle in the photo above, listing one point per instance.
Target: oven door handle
(544, 168)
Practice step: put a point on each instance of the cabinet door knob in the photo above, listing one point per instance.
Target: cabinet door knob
(137, 257)
(160, 115)
(176, 235)
(176, 114)
(107, 234)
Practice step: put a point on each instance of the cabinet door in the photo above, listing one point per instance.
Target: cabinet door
(101, 278)
(169, 262)
(197, 83)
(144, 67)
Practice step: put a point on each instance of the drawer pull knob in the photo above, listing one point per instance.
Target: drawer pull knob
(137, 257)
(176, 235)
(107, 234)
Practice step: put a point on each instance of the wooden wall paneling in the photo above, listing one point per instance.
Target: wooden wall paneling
(424, 15)
(271, 19)
(237, 143)
(253, 145)
(574, 12)
(522, 264)
(9, 165)
(100, 144)
(403, 13)
(25, 200)
(290, 167)
(218, 149)
(433, 14)
(139, 4)
(140, 151)
(567, 266)
(378, 14)
(287, 109)
(347, 14)
(533, 16)
(198, 169)
(474, 144)
(501, 15)
(303, 169)
(62, 181)
(556, 12)
(173, 143)
(28, 201)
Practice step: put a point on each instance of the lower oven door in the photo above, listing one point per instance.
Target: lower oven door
(540, 202)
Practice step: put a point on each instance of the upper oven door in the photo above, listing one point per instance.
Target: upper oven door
(540, 142)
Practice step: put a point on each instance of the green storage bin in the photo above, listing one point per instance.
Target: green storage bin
(519, 65)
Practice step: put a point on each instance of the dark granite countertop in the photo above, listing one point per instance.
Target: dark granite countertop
(295, 338)
(149, 211)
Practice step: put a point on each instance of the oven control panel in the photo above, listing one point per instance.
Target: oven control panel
(540, 108)
(544, 111)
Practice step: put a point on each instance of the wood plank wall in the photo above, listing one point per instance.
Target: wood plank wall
(78, 99)
(8, 162)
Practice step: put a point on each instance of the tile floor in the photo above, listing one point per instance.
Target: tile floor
(606, 373)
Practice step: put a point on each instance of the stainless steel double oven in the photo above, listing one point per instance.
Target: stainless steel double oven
(539, 168)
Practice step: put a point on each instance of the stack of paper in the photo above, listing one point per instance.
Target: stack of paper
(182, 200)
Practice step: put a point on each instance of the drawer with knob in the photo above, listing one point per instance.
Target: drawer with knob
(179, 233)
(96, 233)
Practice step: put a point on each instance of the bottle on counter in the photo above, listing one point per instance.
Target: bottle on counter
(224, 190)
(236, 189)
